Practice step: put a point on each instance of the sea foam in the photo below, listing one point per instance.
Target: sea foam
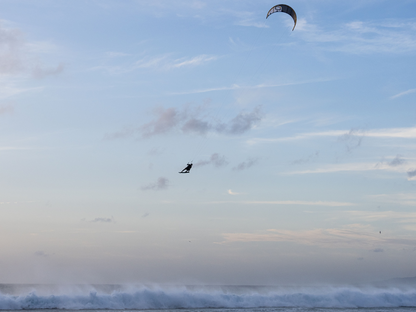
(150, 297)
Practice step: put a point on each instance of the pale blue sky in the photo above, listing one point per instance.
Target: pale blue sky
(303, 141)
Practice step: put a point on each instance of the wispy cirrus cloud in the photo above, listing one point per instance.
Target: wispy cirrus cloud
(345, 135)
(404, 199)
(359, 37)
(121, 63)
(354, 167)
(258, 86)
(195, 61)
(398, 216)
(11, 87)
(287, 203)
(410, 91)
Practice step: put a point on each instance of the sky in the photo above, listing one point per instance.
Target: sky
(303, 142)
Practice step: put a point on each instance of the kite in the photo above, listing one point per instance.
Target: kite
(285, 9)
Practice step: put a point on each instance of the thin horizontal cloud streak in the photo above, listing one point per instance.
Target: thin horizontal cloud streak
(164, 62)
(397, 216)
(287, 203)
(195, 61)
(350, 236)
(399, 133)
(360, 37)
(258, 86)
(397, 199)
(352, 167)
(403, 93)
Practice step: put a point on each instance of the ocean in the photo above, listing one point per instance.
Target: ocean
(207, 298)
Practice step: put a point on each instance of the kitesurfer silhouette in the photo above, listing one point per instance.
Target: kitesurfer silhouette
(187, 168)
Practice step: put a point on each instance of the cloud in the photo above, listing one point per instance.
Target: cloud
(40, 73)
(114, 54)
(396, 216)
(403, 93)
(9, 87)
(354, 235)
(151, 62)
(17, 56)
(397, 161)
(216, 160)
(167, 119)
(352, 135)
(352, 139)
(232, 193)
(241, 123)
(165, 62)
(6, 109)
(246, 164)
(103, 220)
(378, 250)
(190, 120)
(161, 184)
(11, 47)
(306, 159)
(358, 37)
(41, 253)
(351, 167)
(287, 203)
(195, 61)
(145, 215)
(259, 86)
(120, 63)
(194, 125)
(411, 174)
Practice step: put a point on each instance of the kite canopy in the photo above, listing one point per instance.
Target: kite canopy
(283, 8)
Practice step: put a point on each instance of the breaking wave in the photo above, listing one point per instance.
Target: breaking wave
(210, 297)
